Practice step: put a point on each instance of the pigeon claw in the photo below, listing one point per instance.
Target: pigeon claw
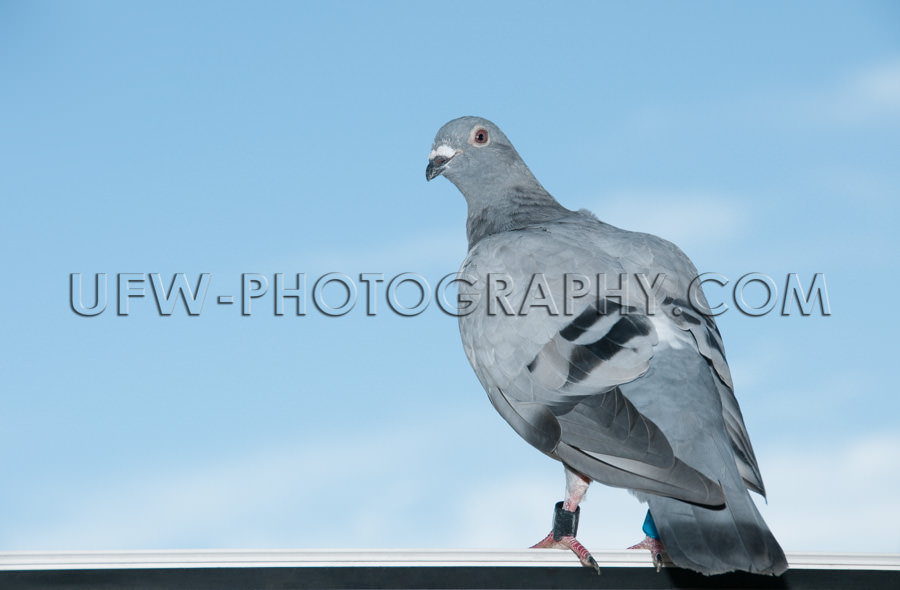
(657, 552)
(571, 543)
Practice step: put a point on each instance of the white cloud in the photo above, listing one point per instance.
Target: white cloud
(692, 220)
(876, 87)
(269, 495)
(871, 95)
(835, 496)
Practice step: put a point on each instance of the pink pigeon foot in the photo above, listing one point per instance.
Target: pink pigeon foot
(657, 551)
(569, 542)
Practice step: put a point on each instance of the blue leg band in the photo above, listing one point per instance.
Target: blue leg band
(649, 527)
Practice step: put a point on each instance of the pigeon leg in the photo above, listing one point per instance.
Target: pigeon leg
(652, 543)
(565, 521)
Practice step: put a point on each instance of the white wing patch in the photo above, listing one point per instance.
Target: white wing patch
(669, 334)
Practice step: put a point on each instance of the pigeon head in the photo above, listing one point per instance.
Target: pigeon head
(473, 153)
(501, 192)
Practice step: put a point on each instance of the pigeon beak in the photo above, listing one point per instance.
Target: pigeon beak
(436, 167)
(438, 160)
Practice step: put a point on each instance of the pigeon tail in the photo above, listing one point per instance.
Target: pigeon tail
(716, 541)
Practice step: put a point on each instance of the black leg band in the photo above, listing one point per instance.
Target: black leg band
(565, 523)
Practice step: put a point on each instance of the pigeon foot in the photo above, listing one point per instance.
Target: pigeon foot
(565, 524)
(657, 551)
(569, 542)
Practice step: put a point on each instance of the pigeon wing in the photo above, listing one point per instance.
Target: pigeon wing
(682, 302)
(554, 376)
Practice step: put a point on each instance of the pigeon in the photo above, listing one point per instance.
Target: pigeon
(592, 343)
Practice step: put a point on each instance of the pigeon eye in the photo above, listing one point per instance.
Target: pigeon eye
(480, 136)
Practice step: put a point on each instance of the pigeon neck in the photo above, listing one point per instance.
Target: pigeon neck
(517, 208)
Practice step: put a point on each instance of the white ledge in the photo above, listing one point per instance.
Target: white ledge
(241, 558)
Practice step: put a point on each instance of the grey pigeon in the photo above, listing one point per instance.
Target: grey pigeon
(591, 342)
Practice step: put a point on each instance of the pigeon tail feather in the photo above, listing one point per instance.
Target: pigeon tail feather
(716, 541)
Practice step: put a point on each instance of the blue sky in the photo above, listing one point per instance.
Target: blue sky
(231, 138)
